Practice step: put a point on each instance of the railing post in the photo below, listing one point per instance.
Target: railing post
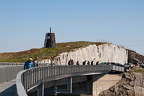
(40, 91)
(69, 85)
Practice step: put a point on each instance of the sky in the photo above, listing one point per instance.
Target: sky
(24, 23)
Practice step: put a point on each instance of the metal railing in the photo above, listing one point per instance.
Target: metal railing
(8, 73)
(16, 64)
(27, 79)
(9, 64)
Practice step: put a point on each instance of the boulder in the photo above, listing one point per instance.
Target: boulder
(131, 84)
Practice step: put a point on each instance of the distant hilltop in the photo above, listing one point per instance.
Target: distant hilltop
(81, 50)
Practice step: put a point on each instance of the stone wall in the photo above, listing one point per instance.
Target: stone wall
(101, 83)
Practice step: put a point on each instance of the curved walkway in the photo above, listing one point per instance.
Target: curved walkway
(35, 77)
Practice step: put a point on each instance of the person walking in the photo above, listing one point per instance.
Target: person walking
(70, 62)
(29, 64)
(88, 63)
(35, 61)
(97, 63)
(77, 63)
(91, 62)
(84, 63)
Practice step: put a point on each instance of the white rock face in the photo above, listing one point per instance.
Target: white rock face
(101, 53)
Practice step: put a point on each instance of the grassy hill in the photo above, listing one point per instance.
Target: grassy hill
(44, 53)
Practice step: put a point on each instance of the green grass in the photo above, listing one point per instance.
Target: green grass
(44, 53)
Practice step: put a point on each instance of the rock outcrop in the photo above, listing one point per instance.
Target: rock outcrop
(101, 53)
(130, 85)
(103, 83)
(134, 57)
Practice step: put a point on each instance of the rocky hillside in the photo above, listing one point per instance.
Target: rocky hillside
(131, 84)
(101, 53)
(81, 50)
(134, 57)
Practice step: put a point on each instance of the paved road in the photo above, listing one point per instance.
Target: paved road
(8, 88)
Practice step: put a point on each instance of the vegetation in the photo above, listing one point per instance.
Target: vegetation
(137, 69)
(44, 53)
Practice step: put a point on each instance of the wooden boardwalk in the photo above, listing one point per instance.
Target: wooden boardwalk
(8, 88)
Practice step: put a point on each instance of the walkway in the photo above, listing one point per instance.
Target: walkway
(8, 88)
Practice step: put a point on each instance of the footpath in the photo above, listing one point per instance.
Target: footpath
(8, 88)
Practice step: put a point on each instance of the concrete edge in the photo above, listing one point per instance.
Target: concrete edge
(20, 91)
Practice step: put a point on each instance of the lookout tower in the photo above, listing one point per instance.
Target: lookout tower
(50, 40)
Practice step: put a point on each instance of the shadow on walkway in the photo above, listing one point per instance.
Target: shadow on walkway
(9, 91)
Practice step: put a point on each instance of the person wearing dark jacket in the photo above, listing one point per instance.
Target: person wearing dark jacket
(84, 63)
(91, 62)
(97, 63)
(29, 64)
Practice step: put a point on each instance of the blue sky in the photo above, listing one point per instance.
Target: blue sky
(24, 23)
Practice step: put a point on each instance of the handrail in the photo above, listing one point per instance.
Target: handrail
(19, 85)
(5, 64)
(27, 79)
(8, 73)
(15, 64)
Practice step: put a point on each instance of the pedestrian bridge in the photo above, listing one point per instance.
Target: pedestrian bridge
(27, 80)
